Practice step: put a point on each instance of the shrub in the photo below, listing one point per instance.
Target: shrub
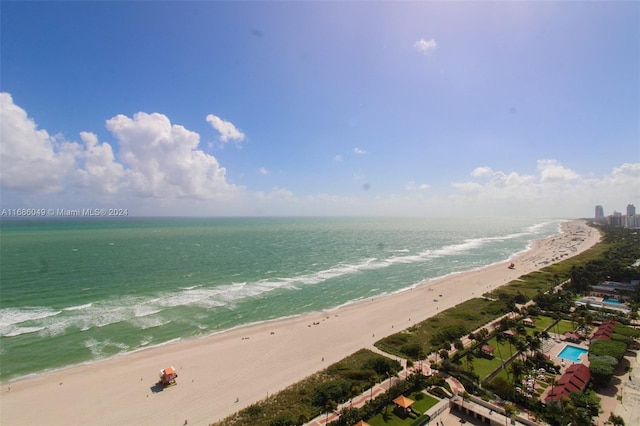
(601, 372)
(502, 388)
(382, 366)
(412, 350)
(607, 347)
(337, 391)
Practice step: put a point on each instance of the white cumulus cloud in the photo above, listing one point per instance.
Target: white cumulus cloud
(552, 171)
(228, 132)
(426, 47)
(101, 172)
(162, 159)
(31, 159)
(154, 159)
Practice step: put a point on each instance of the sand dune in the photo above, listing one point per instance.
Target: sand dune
(220, 374)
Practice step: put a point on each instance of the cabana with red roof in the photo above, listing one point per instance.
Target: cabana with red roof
(487, 350)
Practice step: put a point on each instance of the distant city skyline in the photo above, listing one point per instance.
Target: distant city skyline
(320, 108)
(601, 211)
(629, 219)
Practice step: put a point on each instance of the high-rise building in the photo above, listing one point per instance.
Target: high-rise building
(599, 212)
(631, 210)
(616, 219)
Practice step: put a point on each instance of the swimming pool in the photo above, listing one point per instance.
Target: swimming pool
(612, 301)
(572, 353)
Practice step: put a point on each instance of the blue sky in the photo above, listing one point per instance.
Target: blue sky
(321, 108)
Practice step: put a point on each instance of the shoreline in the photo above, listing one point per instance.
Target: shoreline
(222, 373)
(178, 340)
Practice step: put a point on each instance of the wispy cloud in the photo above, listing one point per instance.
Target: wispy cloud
(412, 186)
(426, 47)
(359, 151)
(263, 171)
(481, 171)
(228, 132)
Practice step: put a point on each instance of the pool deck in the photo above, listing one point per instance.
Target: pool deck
(583, 358)
(553, 346)
(599, 302)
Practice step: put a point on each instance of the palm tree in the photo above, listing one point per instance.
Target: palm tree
(509, 340)
(481, 336)
(372, 383)
(536, 342)
(556, 324)
(469, 358)
(330, 406)
(509, 411)
(499, 339)
(521, 346)
(517, 368)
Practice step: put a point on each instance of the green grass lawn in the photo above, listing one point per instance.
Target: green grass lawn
(542, 322)
(503, 374)
(483, 366)
(444, 327)
(390, 417)
(423, 401)
(564, 326)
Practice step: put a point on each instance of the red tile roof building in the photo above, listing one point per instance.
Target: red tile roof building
(604, 331)
(574, 379)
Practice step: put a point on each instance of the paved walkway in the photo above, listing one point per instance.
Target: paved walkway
(629, 407)
(381, 388)
(357, 402)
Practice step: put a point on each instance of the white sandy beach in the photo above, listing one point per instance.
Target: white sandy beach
(223, 373)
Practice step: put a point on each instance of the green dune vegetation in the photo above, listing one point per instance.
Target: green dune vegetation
(459, 338)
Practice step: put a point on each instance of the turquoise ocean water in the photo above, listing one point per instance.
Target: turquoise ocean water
(74, 291)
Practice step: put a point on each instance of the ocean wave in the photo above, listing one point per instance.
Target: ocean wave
(99, 347)
(145, 323)
(145, 340)
(229, 294)
(75, 308)
(13, 331)
(10, 316)
(149, 311)
(213, 295)
(145, 310)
